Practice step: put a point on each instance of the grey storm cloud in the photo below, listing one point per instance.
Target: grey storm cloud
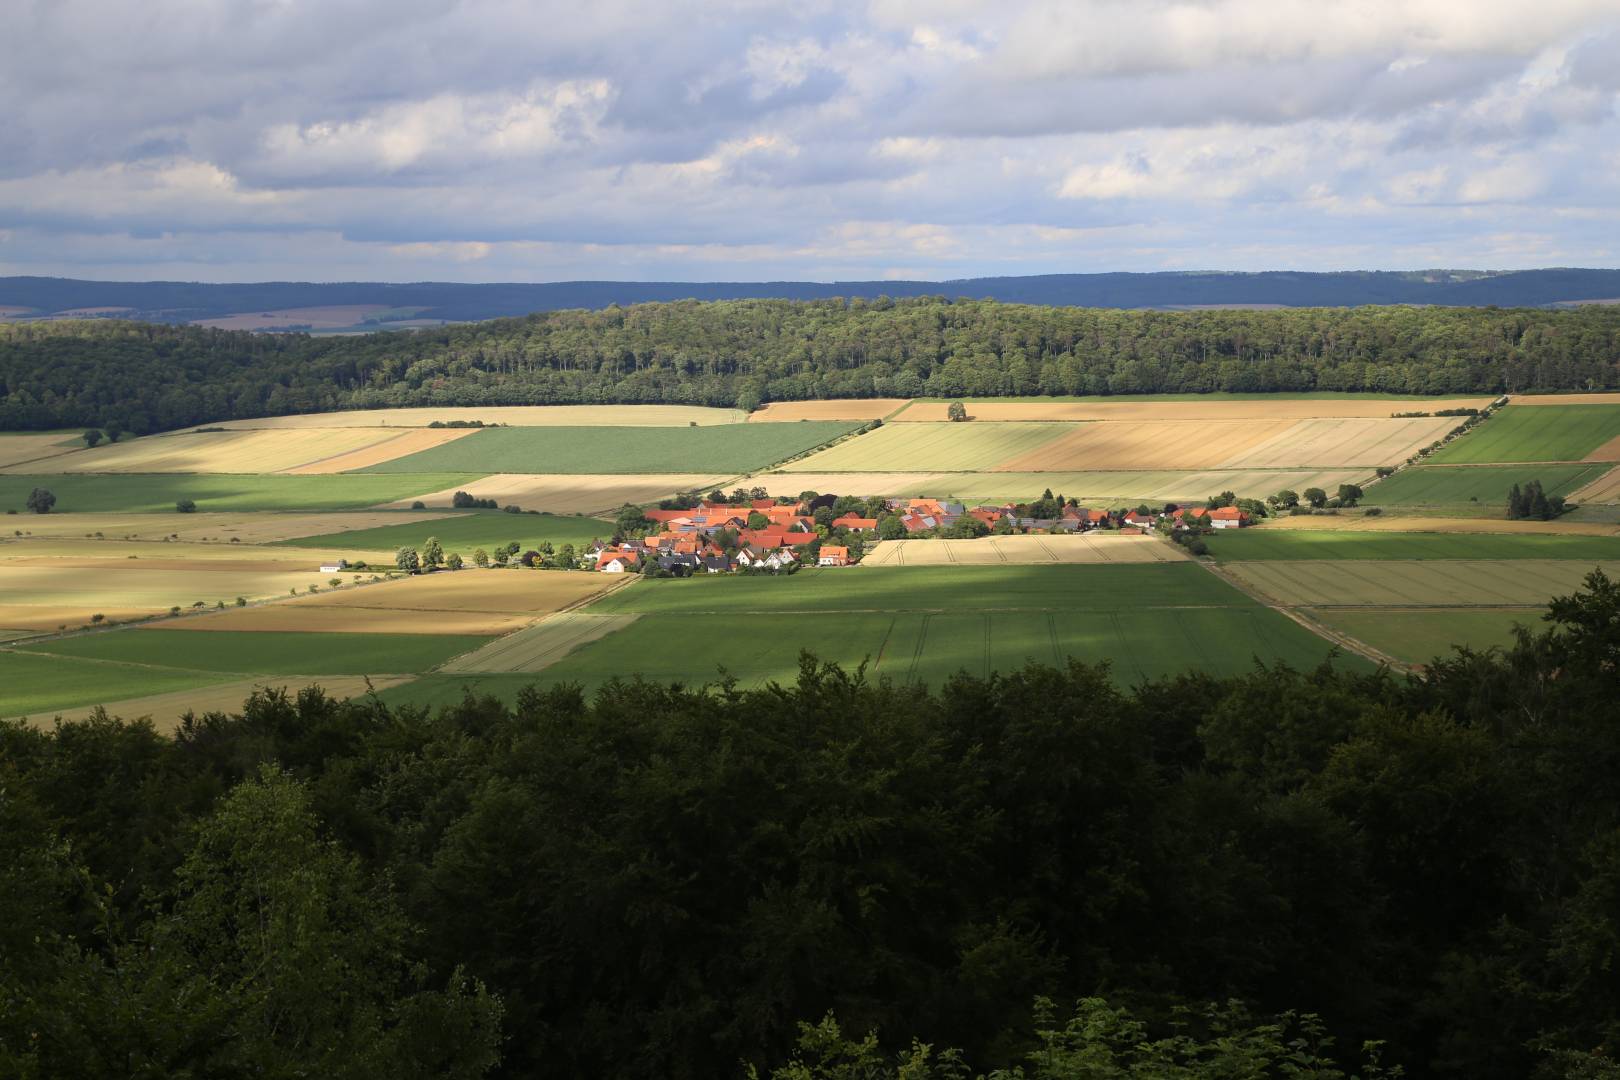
(487, 139)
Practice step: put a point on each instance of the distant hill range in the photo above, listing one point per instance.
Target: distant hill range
(351, 306)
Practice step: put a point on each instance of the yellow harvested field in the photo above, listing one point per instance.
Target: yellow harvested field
(1567, 399)
(1489, 526)
(1342, 442)
(166, 710)
(1111, 547)
(301, 615)
(861, 485)
(1415, 583)
(408, 442)
(514, 415)
(16, 449)
(576, 494)
(46, 595)
(1202, 444)
(1279, 408)
(843, 409)
(213, 452)
(541, 645)
(1605, 489)
(245, 527)
(1609, 451)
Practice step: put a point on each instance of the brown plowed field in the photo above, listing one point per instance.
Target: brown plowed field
(1110, 547)
(1609, 451)
(843, 409)
(1341, 442)
(300, 615)
(572, 494)
(522, 592)
(514, 415)
(1280, 408)
(397, 447)
(1605, 489)
(1147, 446)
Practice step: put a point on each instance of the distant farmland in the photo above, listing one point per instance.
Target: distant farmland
(728, 448)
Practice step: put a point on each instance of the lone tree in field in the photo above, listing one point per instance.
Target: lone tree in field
(1349, 494)
(93, 436)
(454, 561)
(40, 500)
(186, 506)
(1287, 498)
(957, 412)
(407, 560)
(1316, 497)
(432, 553)
(480, 557)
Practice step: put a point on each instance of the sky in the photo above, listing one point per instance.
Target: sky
(521, 140)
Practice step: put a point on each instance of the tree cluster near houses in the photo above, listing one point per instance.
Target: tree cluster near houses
(924, 518)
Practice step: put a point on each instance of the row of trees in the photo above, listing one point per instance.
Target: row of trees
(663, 881)
(143, 377)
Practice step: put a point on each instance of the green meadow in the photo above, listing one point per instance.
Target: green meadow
(1266, 544)
(1535, 433)
(1417, 637)
(467, 532)
(35, 684)
(1436, 485)
(266, 653)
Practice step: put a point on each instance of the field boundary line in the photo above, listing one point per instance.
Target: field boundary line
(568, 608)
(1337, 637)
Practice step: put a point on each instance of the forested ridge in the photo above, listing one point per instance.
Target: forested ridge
(664, 882)
(145, 377)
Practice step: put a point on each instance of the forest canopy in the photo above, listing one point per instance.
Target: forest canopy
(1270, 870)
(146, 377)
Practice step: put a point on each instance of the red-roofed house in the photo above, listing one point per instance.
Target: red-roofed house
(833, 556)
(855, 523)
(617, 562)
(1228, 517)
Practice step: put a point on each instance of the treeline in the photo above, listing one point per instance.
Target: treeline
(663, 882)
(147, 377)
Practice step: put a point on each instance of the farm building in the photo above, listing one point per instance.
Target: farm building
(833, 556)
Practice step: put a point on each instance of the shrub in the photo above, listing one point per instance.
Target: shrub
(418, 505)
(186, 506)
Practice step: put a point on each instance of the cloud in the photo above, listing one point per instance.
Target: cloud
(479, 139)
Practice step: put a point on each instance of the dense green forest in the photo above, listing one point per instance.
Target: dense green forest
(1034, 868)
(144, 377)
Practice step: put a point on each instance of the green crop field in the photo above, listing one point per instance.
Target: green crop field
(1417, 637)
(928, 447)
(1535, 433)
(466, 532)
(919, 647)
(1265, 544)
(157, 493)
(1414, 583)
(32, 684)
(1095, 587)
(267, 653)
(726, 448)
(1435, 485)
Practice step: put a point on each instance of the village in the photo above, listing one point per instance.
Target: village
(767, 535)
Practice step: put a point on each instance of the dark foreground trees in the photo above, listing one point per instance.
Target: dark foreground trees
(665, 882)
